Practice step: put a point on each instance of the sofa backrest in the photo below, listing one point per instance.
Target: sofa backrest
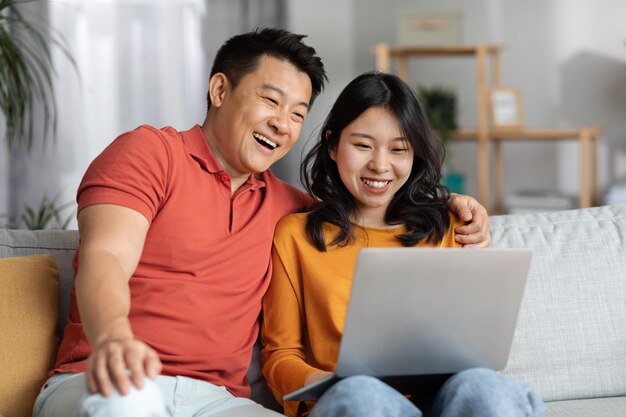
(570, 340)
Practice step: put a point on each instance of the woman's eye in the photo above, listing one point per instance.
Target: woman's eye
(362, 145)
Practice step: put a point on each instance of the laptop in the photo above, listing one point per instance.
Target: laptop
(428, 311)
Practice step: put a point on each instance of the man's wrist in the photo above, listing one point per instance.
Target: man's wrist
(117, 331)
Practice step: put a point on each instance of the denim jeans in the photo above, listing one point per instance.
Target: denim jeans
(66, 395)
(471, 393)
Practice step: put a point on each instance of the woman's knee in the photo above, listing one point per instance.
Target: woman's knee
(363, 395)
(479, 379)
(485, 389)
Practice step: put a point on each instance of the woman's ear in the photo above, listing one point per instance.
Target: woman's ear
(332, 150)
(218, 85)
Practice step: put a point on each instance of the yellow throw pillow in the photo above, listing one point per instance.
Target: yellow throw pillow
(29, 309)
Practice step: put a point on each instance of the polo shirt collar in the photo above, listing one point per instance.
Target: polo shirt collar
(198, 148)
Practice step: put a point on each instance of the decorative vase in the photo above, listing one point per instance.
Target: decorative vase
(455, 181)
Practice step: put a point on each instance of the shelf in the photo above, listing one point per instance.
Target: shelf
(483, 134)
(415, 51)
(588, 141)
(482, 54)
(526, 134)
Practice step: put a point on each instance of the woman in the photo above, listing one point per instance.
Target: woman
(376, 172)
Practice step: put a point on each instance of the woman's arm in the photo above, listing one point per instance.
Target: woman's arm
(283, 353)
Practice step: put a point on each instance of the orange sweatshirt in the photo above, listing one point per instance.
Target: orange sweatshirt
(305, 305)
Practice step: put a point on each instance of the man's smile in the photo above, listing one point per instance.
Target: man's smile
(264, 141)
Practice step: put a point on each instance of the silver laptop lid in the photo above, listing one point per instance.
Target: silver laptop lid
(422, 311)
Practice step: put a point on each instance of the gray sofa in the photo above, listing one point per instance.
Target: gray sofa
(570, 342)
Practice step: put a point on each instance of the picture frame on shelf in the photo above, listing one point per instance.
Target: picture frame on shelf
(428, 28)
(506, 108)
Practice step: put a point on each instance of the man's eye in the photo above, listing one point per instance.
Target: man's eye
(271, 100)
(298, 117)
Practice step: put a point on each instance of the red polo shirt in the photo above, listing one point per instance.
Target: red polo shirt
(196, 293)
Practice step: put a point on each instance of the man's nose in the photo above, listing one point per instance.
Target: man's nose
(280, 122)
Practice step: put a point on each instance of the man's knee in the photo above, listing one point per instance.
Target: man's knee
(145, 402)
(66, 395)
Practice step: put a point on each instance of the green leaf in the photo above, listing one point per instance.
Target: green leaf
(26, 74)
(47, 215)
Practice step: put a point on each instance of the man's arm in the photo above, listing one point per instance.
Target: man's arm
(476, 232)
(111, 242)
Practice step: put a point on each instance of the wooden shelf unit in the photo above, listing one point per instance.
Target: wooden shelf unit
(484, 135)
(587, 138)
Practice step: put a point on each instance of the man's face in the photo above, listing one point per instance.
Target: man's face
(257, 122)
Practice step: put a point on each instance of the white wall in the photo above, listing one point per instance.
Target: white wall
(567, 56)
(138, 62)
(331, 34)
(4, 179)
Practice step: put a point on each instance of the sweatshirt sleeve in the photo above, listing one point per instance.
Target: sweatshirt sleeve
(283, 353)
(448, 238)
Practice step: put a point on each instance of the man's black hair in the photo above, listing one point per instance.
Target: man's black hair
(240, 55)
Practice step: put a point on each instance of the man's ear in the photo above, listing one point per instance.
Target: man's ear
(218, 84)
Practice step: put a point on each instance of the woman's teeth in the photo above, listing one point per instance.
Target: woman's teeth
(375, 184)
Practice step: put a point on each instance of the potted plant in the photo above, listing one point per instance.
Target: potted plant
(439, 105)
(26, 74)
(26, 85)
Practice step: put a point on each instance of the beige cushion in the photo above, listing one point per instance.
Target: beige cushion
(29, 309)
(570, 338)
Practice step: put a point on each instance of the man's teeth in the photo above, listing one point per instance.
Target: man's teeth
(265, 140)
(375, 184)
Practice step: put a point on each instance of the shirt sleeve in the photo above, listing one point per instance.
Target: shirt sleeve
(131, 172)
(283, 353)
(448, 238)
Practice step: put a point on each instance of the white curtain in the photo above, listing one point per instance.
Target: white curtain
(139, 62)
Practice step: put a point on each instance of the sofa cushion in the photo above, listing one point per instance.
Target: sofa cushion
(29, 308)
(61, 244)
(570, 340)
(595, 407)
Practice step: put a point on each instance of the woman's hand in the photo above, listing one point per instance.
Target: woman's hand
(316, 376)
(474, 234)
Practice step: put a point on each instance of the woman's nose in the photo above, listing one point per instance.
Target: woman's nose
(379, 162)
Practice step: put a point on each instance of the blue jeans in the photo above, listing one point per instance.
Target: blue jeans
(66, 395)
(471, 393)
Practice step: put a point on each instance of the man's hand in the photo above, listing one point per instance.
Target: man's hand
(120, 362)
(475, 234)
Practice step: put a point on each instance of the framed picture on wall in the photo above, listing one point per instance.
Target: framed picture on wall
(506, 108)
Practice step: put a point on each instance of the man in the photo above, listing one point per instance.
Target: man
(176, 231)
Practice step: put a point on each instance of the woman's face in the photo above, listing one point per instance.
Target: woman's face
(374, 160)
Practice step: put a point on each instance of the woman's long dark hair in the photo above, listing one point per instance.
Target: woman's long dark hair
(422, 202)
